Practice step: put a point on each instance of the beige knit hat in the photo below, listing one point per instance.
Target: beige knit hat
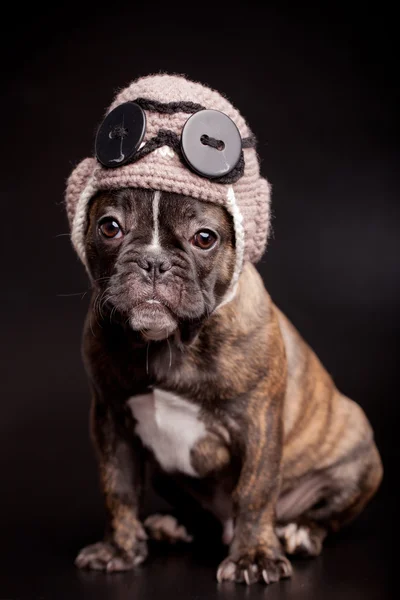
(167, 103)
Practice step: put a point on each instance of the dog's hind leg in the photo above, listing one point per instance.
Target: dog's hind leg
(326, 501)
(166, 528)
(354, 484)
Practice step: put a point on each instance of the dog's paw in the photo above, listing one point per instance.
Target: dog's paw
(104, 556)
(301, 540)
(251, 567)
(166, 528)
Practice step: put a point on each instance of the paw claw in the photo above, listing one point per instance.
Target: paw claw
(226, 571)
(115, 564)
(254, 566)
(139, 558)
(219, 575)
(285, 569)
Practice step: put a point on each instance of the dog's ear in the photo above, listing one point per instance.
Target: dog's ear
(76, 184)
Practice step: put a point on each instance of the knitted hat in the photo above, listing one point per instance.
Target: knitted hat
(167, 102)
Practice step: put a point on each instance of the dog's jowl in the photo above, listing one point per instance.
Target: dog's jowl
(196, 376)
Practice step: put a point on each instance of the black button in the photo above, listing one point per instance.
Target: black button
(120, 135)
(211, 143)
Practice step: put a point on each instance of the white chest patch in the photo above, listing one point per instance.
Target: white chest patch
(169, 426)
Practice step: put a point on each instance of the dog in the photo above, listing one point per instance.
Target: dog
(220, 395)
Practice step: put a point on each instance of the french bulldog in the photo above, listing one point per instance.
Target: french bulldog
(221, 396)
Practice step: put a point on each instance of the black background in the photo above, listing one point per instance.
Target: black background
(319, 89)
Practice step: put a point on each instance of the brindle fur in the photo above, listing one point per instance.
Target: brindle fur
(282, 444)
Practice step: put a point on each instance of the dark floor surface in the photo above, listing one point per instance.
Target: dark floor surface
(354, 564)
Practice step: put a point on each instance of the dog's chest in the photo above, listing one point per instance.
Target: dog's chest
(169, 426)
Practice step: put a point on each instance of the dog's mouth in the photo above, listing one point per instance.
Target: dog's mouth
(154, 319)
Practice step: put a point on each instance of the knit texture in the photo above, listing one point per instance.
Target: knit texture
(167, 100)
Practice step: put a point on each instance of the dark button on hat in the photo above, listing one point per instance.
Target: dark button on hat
(120, 135)
(211, 143)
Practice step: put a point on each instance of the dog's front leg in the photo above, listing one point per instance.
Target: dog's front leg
(121, 476)
(255, 553)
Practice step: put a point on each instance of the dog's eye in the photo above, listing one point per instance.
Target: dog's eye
(110, 228)
(204, 239)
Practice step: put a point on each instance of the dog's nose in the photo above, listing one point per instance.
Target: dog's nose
(154, 264)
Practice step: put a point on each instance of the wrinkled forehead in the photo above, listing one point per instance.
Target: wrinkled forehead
(171, 210)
